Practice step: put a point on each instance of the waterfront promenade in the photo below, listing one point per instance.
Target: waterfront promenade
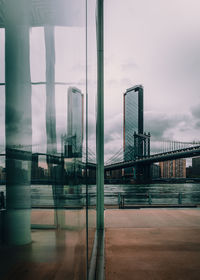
(157, 244)
(140, 244)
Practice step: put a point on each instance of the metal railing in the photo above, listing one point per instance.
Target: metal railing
(158, 199)
(113, 199)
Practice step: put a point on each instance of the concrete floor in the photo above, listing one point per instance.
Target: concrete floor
(152, 244)
(140, 244)
(53, 254)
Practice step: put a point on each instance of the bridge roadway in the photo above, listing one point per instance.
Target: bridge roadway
(176, 154)
(181, 153)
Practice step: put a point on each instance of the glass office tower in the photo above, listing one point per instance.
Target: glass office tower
(133, 119)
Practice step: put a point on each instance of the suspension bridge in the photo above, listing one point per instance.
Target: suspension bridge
(161, 151)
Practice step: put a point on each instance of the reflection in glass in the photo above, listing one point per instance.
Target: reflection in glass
(45, 106)
(2, 55)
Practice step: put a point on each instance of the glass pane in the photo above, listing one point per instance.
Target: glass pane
(37, 54)
(2, 55)
(92, 95)
(2, 119)
(39, 139)
(70, 56)
(45, 138)
(2, 149)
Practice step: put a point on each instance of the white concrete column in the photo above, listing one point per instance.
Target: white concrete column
(18, 123)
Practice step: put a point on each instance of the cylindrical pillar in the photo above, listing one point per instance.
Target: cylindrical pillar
(18, 123)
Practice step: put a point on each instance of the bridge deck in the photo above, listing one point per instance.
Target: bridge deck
(175, 154)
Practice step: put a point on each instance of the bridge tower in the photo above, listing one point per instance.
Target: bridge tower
(141, 150)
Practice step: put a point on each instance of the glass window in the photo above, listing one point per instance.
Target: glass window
(2, 55)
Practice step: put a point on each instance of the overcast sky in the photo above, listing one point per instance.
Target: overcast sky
(157, 44)
(154, 43)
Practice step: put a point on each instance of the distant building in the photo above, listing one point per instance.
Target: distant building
(155, 171)
(73, 141)
(173, 168)
(196, 167)
(34, 167)
(189, 173)
(2, 174)
(116, 174)
(133, 120)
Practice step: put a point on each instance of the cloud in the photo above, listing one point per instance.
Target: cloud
(113, 127)
(108, 138)
(129, 66)
(168, 126)
(196, 115)
(196, 111)
(179, 65)
(113, 148)
(197, 125)
(158, 123)
(113, 135)
(162, 127)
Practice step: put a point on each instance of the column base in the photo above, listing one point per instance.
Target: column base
(17, 227)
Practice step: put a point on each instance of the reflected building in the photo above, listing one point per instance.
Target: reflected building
(133, 120)
(73, 141)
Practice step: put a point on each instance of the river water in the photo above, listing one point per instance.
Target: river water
(133, 194)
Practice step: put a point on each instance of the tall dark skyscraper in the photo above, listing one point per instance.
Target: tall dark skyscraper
(75, 122)
(133, 119)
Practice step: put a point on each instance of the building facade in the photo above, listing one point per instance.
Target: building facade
(196, 167)
(133, 120)
(173, 168)
(155, 171)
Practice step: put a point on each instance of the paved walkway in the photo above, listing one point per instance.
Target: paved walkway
(53, 254)
(152, 244)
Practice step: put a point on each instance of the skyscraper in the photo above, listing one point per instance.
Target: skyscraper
(74, 122)
(133, 120)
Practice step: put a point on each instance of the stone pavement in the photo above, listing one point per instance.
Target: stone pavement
(161, 244)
